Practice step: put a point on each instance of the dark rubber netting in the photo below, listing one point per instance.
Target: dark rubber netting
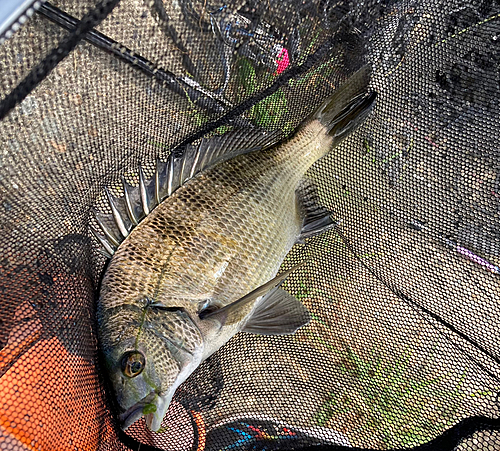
(402, 350)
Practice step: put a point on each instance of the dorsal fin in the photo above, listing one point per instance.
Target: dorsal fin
(138, 201)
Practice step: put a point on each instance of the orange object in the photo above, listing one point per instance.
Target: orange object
(202, 431)
(51, 400)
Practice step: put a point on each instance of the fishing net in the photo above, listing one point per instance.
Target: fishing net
(402, 349)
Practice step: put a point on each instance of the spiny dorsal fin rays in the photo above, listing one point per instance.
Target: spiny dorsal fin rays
(138, 202)
(124, 224)
(106, 223)
(143, 191)
(130, 203)
(147, 189)
(126, 212)
(196, 160)
(157, 182)
(106, 249)
(167, 176)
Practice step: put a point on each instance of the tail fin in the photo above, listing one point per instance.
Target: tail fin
(349, 106)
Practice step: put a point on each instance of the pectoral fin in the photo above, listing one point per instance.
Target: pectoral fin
(278, 313)
(232, 313)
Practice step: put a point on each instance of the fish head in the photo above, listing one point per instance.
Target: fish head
(148, 352)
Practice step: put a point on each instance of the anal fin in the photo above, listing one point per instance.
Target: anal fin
(317, 218)
(316, 226)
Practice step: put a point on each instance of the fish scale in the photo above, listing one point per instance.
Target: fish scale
(201, 266)
(272, 176)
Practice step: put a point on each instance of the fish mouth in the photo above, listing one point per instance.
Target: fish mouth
(153, 407)
(135, 412)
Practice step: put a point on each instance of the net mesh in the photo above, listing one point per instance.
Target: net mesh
(402, 349)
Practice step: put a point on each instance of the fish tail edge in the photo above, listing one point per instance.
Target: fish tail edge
(348, 106)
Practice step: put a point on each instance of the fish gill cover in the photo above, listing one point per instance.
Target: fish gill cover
(403, 289)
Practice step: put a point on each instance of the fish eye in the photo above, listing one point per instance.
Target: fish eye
(133, 362)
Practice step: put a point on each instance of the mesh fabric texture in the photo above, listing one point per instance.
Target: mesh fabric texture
(403, 347)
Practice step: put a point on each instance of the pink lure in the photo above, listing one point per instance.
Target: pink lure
(283, 61)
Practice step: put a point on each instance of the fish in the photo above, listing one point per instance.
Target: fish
(195, 251)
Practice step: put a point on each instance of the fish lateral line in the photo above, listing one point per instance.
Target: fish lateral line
(207, 205)
(163, 272)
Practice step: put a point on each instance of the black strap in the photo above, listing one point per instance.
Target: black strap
(38, 73)
(281, 81)
(167, 78)
(447, 441)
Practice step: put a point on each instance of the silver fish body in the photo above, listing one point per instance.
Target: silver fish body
(176, 289)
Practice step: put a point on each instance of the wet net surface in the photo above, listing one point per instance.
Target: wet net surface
(404, 293)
